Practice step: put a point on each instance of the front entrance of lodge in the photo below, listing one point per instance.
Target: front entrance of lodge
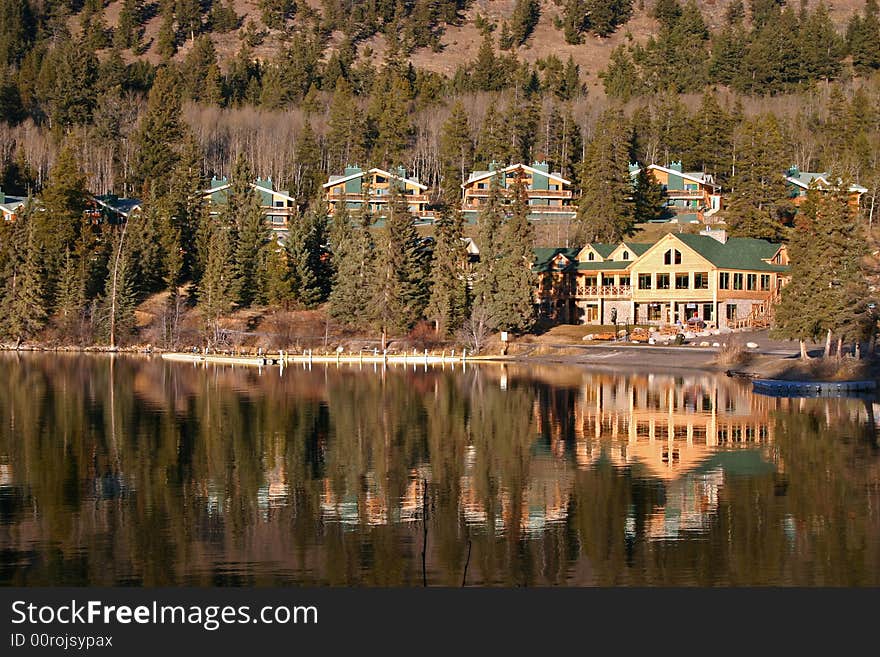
(674, 312)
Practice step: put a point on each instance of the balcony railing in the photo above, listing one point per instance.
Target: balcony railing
(531, 193)
(604, 291)
(685, 193)
(533, 209)
(377, 198)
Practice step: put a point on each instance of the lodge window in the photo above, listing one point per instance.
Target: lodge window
(765, 281)
(591, 256)
(724, 280)
(654, 312)
(701, 281)
(682, 281)
(625, 255)
(731, 311)
(644, 281)
(737, 281)
(662, 281)
(672, 257)
(279, 204)
(380, 179)
(751, 281)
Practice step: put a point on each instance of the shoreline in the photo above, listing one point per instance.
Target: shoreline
(760, 364)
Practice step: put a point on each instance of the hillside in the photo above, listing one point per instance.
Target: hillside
(460, 43)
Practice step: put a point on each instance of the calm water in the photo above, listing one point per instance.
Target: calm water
(132, 471)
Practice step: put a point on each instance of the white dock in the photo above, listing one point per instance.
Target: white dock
(285, 358)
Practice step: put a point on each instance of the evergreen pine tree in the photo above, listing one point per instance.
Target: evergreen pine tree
(159, 133)
(649, 201)
(308, 175)
(353, 260)
(251, 234)
(759, 204)
(863, 38)
(305, 285)
(70, 296)
(399, 286)
(448, 304)
(345, 130)
(621, 78)
(218, 287)
(526, 14)
(24, 301)
(61, 225)
(489, 223)
(828, 291)
(456, 154)
(513, 307)
(184, 207)
(605, 210)
(128, 27)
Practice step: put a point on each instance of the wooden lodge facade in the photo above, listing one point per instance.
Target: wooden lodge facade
(549, 194)
(708, 278)
(375, 186)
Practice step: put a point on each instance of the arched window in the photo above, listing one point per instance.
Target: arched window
(625, 255)
(591, 256)
(672, 257)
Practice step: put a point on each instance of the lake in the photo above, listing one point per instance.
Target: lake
(136, 471)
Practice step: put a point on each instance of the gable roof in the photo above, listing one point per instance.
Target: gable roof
(224, 185)
(603, 250)
(694, 176)
(637, 247)
(334, 180)
(121, 206)
(804, 179)
(480, 175)
(543, 257)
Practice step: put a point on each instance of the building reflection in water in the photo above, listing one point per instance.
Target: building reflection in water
(554, 474)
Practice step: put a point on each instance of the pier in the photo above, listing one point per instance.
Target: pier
(284, 358)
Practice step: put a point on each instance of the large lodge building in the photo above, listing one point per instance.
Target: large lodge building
(721, 281)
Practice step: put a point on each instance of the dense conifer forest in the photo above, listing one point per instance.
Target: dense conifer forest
(152, 99)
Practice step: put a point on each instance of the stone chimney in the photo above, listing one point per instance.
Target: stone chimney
(715, 233)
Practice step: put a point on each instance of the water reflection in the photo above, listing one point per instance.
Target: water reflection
(137, 471)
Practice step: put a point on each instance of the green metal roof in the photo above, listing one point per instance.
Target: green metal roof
(604, 250)
(736, 253)
(638, 247)
(544, 255)
(603, 266)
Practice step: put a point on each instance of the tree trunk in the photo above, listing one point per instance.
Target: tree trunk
(384, 340)
(827, 351)
(839, 353)
(804, 354)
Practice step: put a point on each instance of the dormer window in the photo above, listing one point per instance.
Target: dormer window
(672, 257)
(625, 255)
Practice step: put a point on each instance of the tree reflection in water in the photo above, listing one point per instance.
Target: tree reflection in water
(137, 471)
